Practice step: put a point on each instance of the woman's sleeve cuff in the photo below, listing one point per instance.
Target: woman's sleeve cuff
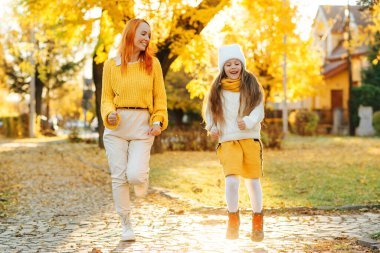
(109, 126)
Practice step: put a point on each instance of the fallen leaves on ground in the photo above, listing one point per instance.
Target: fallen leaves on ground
(338, 244)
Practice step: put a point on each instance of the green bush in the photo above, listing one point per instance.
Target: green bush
(376, 121)
(306, 122)
(187, 138)
(272, 135)
(74, 135)
(366, 95)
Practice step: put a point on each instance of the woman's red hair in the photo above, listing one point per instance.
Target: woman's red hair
(126, 47)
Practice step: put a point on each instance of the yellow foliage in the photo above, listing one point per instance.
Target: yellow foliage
(6, 108)
(26, 67)
(260, 29)
(197, 88)
(375, 26)
(372, 28)
(2, 71)
(198, 59)
(69, 103)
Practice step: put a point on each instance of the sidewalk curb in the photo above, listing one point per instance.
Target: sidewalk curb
(300, 210)
(369, 243)
(198, 207)
(30, 143)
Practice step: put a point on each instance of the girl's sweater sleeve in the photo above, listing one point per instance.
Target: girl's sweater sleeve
(210, 125)
(160, 111)
(107, 105)
(255, 117)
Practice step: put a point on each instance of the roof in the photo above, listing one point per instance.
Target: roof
(331, 69)
(336, 19)
(336, 13)
(340, 52)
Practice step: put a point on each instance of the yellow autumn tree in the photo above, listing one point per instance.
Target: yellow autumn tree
(174, 24)
(53, 53)
(68, 102)
(366, 33)
(375, 26)
(260, 30)
(4, 107)
(2, 59)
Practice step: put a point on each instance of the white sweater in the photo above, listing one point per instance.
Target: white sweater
(230, 130)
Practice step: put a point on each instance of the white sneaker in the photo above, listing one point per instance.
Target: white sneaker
(127, 233)
(141, 190)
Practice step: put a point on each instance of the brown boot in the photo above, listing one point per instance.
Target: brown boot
(233, 225)
(257, 227)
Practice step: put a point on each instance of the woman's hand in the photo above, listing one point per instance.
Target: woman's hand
(241, 124)
(112, 118)
(155, 130)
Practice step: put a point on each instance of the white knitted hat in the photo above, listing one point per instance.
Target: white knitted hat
(228, 52)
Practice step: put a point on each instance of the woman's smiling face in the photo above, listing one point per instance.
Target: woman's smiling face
(142, 37)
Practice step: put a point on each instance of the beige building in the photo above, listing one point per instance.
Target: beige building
(330, 37)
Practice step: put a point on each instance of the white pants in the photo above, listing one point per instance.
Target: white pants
(128, 152)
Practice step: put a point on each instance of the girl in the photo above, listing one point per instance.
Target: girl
(134, 110)
(233, 112)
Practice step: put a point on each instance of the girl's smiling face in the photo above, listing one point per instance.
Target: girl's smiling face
(232, 68)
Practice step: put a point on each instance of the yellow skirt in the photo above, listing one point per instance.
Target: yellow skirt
(241, 157)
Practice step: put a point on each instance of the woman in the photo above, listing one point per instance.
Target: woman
(134, 110)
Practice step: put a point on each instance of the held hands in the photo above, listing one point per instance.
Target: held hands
(155, 130)
(112, 118)
(241, 124)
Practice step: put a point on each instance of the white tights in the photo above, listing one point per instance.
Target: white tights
(254, 192)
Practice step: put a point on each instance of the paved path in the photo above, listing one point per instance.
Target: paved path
(66, 206)
(160, 229)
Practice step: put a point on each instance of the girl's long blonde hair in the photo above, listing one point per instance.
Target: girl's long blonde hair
(127, 44)
(251, 94)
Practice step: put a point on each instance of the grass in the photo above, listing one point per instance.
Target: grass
(309, 171)
(375, 236)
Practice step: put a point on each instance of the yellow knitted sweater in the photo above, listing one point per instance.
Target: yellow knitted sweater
(135, 88)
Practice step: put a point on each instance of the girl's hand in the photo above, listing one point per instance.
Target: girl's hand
(241, 124)
(112, 118)
(214, 133)
(155, 130)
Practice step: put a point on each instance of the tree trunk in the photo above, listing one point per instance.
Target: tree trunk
(163, 56)
(164, 53)
(97, 73)
(47, 105)
(178, 115)
(38, 94)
